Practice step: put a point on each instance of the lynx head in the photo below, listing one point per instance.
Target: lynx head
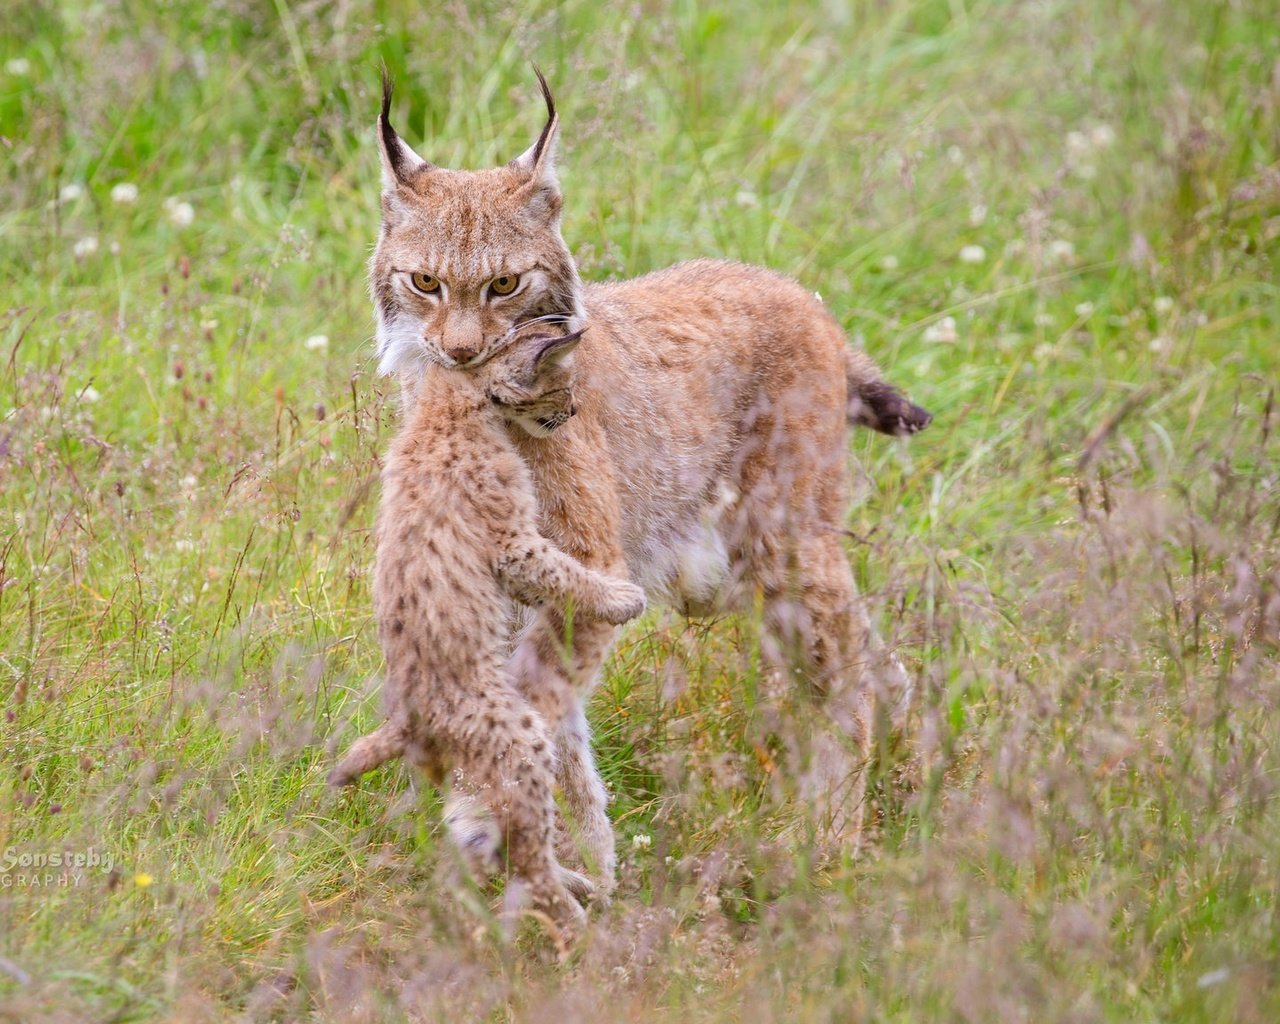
(466, 257)
(530, 381)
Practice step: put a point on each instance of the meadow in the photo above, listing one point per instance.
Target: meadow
(1056, 224)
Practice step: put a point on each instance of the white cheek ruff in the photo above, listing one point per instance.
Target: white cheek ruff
(400, 347)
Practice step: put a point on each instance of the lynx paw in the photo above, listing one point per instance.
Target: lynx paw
(623, 602)
(578, 884)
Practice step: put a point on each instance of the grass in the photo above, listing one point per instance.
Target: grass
(1078, 560)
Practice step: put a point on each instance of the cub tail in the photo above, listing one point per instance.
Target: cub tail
(381, 745)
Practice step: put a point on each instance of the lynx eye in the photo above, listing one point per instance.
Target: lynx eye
(424, 283)
(504, 285)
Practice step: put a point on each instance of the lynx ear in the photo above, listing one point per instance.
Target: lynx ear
(537, 163)
(399, 162)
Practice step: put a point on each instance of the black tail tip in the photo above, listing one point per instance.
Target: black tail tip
(388, 87)
(885, 409)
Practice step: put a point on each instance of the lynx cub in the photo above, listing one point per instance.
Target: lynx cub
(708, 459)
(456, 540)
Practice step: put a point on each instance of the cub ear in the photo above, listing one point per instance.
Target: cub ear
(556, 350)
(399, 163)
(537, 163)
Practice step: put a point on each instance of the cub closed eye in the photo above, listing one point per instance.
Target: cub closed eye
(424, 283)
(504, 284)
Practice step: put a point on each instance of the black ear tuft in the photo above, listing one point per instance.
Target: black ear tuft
(541, 144)
(387, 89)
(391, 147)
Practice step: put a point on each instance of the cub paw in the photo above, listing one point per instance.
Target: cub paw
(475, 833)
(623, 603)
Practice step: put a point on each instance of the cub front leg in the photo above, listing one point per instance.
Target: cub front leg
(535, 571)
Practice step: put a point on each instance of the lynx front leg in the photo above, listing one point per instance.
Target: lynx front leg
(556, 680)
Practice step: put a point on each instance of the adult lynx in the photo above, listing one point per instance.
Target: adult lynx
(456, 536)
(707, 460)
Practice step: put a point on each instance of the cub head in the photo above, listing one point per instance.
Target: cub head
(466, 257)
(531, 381)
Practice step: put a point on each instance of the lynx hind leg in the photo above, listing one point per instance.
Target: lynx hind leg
(556, 682)
(368, 752)
(536, 571)
(502, 811)
(818, 632)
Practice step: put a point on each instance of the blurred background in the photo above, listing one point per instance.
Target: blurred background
(1054, 224)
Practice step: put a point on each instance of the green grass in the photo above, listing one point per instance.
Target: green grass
(1078, 560)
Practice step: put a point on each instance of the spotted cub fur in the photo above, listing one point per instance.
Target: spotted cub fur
(457, 541)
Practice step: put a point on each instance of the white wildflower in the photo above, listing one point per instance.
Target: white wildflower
(1078, 143)
(942, 331)
(973, 254)
(889, 262)
(1163, 305)
(1062, 250)
(1159, 344)
(1084, 309)
(955, 154)
(86, 246)
(316, 343)
(184, 545)
(19, 67)
(70, 193)
(126, 193)
(747, 199)
(189, 482)
(977, 215)
(641, 841)
(181, 214)
(89, 395)
(1043, 320)
(1102, 135)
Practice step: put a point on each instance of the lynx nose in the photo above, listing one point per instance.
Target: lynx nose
(461, 356)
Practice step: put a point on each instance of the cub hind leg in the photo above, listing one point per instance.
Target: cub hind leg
(367, 753)
(504, 763)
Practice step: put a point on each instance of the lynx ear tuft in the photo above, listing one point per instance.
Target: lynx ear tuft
(399, 162)
(537, 162)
